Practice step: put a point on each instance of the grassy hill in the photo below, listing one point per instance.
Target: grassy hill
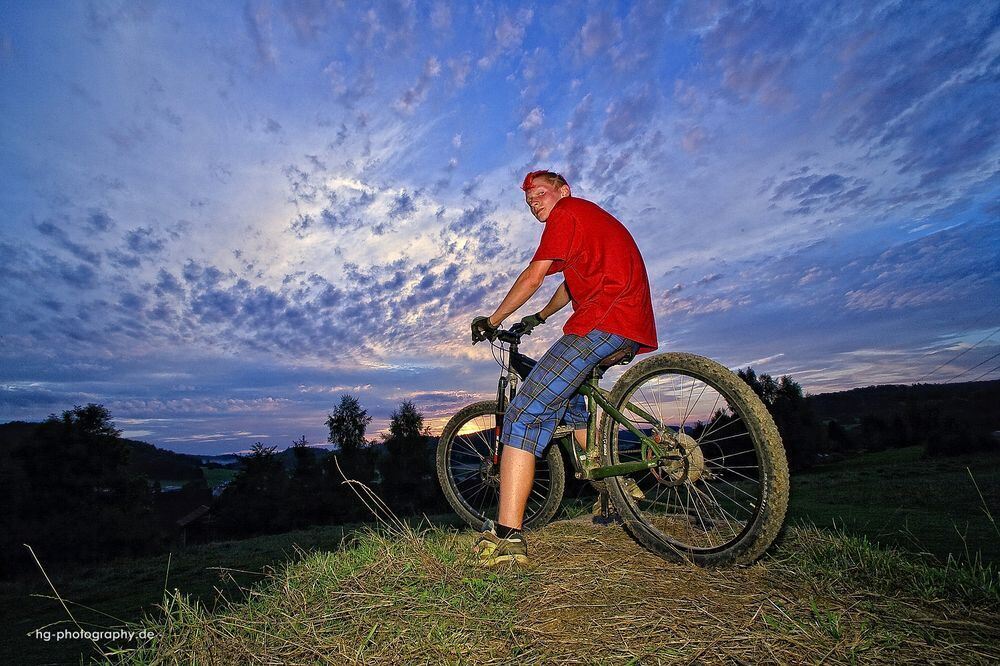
(944, 507)
(594, 594)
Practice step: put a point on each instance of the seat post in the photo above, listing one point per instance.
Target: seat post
(592, 385)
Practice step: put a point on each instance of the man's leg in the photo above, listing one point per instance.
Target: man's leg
(517, 474)
(542, 402)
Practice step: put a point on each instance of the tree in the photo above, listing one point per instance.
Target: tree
(406, 428)
(91, 421)
(255, 502)
(305, 487)
(407, 478)
(347, 425)
(837, 434)
(70, 494)
(801, 432)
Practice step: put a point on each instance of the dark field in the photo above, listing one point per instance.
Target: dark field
(897, 498)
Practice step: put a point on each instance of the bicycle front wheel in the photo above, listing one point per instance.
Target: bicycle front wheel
(468, 468)
(720, 493)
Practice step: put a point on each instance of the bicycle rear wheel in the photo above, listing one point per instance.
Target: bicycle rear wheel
(469, 473)
(725, 500)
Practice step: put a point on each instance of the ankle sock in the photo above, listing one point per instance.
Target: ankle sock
(505, 532)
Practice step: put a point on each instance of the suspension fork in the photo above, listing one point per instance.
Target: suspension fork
(506, 390)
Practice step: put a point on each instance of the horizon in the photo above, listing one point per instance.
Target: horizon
(375, 440)
(217, 220)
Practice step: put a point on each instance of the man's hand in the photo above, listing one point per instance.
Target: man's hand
(482, 329)
(525, 326)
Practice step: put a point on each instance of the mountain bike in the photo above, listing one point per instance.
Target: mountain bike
(709, 469)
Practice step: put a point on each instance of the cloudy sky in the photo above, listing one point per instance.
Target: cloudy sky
(219, 217)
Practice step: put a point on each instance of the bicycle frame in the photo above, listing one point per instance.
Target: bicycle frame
(653, 451)
(686, 489)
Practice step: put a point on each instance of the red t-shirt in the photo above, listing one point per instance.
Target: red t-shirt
(603, 269)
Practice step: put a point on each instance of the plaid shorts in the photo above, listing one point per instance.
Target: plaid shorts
(549, 394)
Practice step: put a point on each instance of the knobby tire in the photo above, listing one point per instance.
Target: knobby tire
(727, 502)
(467, 479)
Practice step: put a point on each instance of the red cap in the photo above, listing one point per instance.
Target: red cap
(552, 176)
(526, 185)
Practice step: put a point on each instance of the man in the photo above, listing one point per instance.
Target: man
(605, 280)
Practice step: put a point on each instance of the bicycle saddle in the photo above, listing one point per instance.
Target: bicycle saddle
(620, 357)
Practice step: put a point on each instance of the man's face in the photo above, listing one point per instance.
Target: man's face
(541, 197)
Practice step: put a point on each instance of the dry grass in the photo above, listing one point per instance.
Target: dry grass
(592, 596)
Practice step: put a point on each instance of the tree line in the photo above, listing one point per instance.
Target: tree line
(919, 421)
(266, 497)
(67, 490)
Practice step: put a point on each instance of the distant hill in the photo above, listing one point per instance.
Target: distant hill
(144, 459)
(157, 463)
(975, 404)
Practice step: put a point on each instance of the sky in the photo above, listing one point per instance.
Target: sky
(217, 218)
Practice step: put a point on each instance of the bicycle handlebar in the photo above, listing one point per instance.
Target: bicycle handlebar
(511, 336)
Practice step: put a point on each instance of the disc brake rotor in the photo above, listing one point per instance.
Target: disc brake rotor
(689, 469)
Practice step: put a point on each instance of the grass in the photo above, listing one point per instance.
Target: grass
(593, 595)
(944, 507)
(121, 591)
(854, 593)
(216, 476)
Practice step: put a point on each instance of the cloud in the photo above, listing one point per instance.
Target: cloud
(808, 194)
(56, 233)
(272, 126)
(441, 16)
(598, 33)
(508, 35)
(626, 117)
(460, 68)
(416, 94)
(757, 47)
(694, 138)
(402, 207)
(80, 276)
(257, 18)
(939, 268)
(307, 17)
(509, 32)
(144, 240)
(350, 83)
(98, 220)
(533, 120)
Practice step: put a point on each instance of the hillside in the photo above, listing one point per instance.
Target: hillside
(895, 498)
(144, 459)
(592, 595)
(972, 403)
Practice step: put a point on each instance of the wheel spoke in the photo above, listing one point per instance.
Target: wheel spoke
(468, 466)
(706, 505)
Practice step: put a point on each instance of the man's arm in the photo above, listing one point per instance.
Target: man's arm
(525, 286)
(558, 301)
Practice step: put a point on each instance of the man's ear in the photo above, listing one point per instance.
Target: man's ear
(564, 191)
